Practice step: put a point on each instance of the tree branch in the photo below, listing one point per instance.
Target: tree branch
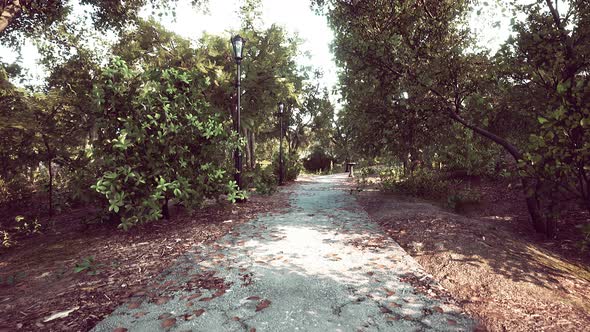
(9, 12)
(427, 10)
(555, 14)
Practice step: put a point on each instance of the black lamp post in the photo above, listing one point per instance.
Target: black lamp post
(281, 163)
(237, 43)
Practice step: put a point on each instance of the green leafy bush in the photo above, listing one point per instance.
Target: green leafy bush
(459, 200)
(293, 166)
(15, 188)
(390, 176)
(88, 265)
(422, 183)
(265, 181)
(22, 226)
(27, 226)
(369, 171)
(158, 140)
(472, 155)
(6, 239)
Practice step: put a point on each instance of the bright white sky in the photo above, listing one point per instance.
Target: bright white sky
(295, 15)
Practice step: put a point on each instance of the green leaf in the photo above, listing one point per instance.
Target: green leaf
(562, 87)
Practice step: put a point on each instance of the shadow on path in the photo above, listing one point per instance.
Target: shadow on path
(321, 266)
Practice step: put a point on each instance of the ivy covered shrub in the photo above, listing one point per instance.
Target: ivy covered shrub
(158, 139)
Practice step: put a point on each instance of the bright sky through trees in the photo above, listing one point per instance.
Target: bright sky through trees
(491, 26)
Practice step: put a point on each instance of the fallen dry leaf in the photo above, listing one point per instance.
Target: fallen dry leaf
(386, 310)
(168, 323)
(395, 305)
(162, 300)
(139, 314)
(263, 305)
(199, 312)
(165, 316)
(133, 305)
(194, 296)
(120, 329)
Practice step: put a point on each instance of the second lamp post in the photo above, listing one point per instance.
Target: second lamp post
(281, 160)
(238, 48)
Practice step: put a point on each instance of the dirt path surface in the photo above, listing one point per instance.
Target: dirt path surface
(506, 282)
(41, 291)
(320, 266)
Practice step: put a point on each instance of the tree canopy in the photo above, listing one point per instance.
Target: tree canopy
(411, 68)
(152, 122)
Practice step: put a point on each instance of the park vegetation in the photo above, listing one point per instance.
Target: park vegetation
(136, 121)
(420, 92)
(133, 122)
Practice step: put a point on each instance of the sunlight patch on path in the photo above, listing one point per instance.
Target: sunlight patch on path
(322, 266)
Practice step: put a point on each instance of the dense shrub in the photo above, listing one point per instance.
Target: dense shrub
(318, 161)
(293, 166)
(422, 183)
(15, 188)
(262, 179)
(158, 140)
(461, 199)
(427, 184)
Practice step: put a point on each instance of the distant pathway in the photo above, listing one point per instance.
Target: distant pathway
(321, 266)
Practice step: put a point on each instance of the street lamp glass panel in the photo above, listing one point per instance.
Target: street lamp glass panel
(281, 107)
(238, 47)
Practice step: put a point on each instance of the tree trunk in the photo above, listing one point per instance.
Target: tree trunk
(533, 205)
(165, 210)
(532, 202)
(252, 139)
(405, 165)
(50, 169)
(8, 13)
(247, 149)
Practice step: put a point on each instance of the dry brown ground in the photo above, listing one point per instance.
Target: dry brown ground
(501, 276)
(507, 280)
(128, 262)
